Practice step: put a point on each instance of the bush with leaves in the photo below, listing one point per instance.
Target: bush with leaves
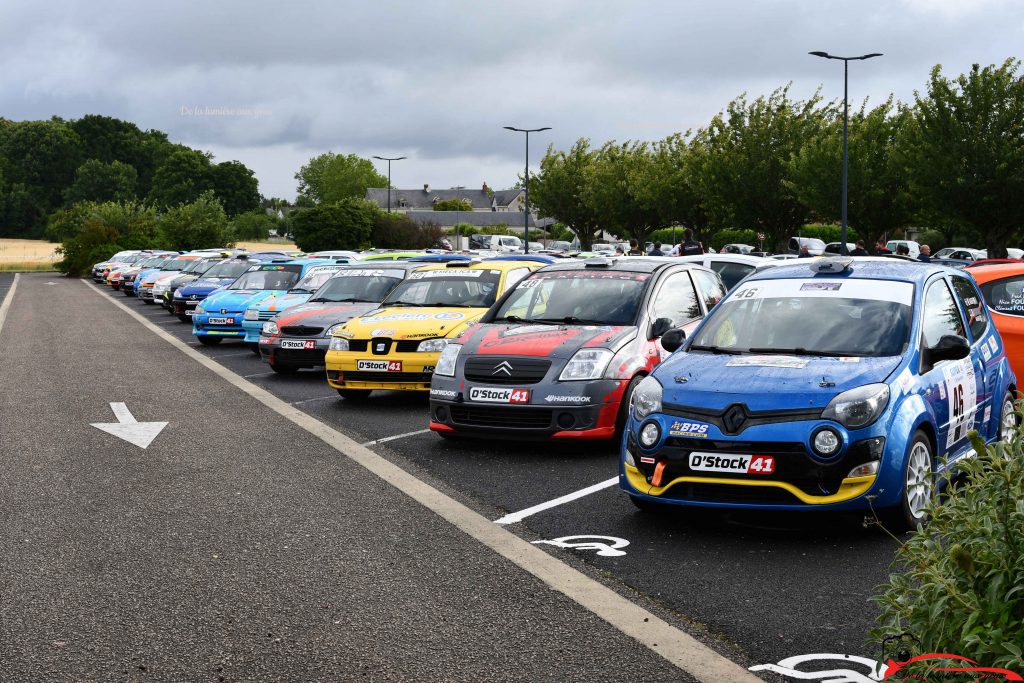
(958, 587)
(398, 231)
(91, 232)
(345, 224)
(254, 225)
(201, 224)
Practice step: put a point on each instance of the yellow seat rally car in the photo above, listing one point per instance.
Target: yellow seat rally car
(397, 346)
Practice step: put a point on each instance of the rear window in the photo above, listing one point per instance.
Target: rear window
(1005, 296)
(731, 273)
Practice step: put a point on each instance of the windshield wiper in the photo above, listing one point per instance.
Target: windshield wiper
(570, 320)
(517, 319)
(300, 290)
(342, 301)
(445, 304)
(714, 349)
(799, 351)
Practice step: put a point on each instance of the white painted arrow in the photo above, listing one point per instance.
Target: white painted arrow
(128, 428)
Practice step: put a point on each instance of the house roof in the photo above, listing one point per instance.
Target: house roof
(424, 199)
(478, 218)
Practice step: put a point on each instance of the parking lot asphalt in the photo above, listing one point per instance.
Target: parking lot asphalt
(237, 546)
(763, 587)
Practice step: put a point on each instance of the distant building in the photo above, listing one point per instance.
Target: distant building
(480, 219)
(482, 200)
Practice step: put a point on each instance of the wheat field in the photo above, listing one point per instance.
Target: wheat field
(27, 254)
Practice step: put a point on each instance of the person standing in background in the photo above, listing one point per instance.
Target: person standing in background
(926, 254)
(689, 246)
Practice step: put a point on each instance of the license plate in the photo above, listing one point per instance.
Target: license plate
(732, 462)
(488, 395)
(189, 313)
(304, 344)
(221, 321)
(379, 365)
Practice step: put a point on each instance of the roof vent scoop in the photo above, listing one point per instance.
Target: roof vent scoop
(831, 265)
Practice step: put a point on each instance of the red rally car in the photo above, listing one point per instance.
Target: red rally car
(559, 355)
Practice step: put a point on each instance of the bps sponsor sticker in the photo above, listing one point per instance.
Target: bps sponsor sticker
(696, 430)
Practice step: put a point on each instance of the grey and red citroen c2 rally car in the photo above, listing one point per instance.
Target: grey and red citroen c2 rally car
(559, 356)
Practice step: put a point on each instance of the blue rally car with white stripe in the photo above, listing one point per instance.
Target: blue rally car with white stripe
(220, 315)
(839, 384)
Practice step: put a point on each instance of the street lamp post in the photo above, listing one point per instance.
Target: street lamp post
(846, 82)
(389, 160)
(526, 183)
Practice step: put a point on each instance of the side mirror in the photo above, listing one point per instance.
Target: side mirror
(673, 339)
(949, 347)
(660, 327)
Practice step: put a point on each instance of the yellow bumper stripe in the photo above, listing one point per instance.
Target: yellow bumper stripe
(850, 488)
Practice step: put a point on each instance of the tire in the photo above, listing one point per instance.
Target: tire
(210, 341)
(627, 395)
(449, 436)
(645, 505)
(918, 487)
(284, 369)
(355, 394)
(255, 348)
(184, 318)
(1008, 419)
(148, 302)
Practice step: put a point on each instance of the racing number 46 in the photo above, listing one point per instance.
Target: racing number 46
(957, 402)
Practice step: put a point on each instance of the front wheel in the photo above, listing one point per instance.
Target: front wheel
(354, 394)
(1008, 420)
(645, 505)
(148, 302)
(255, 348)
(918, 487)
(210, 341)
(284, 369)
(627, 396)
(184, 318)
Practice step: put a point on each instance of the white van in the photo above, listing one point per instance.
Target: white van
(500, 243)
(914, 247)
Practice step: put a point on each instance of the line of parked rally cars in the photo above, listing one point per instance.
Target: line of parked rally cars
(727, 380)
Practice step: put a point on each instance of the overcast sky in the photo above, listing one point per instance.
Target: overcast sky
(272, 84)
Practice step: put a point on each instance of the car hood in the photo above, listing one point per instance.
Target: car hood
(279, 302)
(205, 285)
(765, 382)
(554, 341)
(237, 300)
(182, 280)
(412, 322)
(322, 314)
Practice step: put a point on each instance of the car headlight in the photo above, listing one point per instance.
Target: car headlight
(446, 362)
(200, 310)
(178, 294)
(252, 314)
(586, 364)
(647, 397)
(432, 345)
(858, 407)
(269, 328)
(334, 328)
(338, 344)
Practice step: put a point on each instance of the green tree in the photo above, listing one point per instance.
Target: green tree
(560, 190)
(90, 232)
(196, 225)
(398, 231)
(345, 224)
(740, 161)
(109, 139)
(97, 181)
(616, 184)
(236, 187)
(878, 196)
(966, 152)
(253, 225)
(331, 177)
(669, 183)
(42, 157)
(182, 177)
(453, 205)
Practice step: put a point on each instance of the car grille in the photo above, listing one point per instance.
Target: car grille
(501, 370)
(714, 493)
(266, 315)
(400, 346)
(301, 330)
(488, 416)
(358, 344)
(385, 377)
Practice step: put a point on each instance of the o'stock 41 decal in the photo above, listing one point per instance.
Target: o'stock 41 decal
(962, 394)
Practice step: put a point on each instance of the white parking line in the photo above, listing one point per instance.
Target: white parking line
(681, 649)
(167, 322)
(7, 302)
(514, 517)
(259, 374)
(310, 400)
(396, 436)
(239, 353)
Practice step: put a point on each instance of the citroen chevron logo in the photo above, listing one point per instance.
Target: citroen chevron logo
(504, 367)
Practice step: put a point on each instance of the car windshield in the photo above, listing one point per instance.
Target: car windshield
(268, 277)
(226, 269)
(315, 278)
(452, 288)
(153, 261)
(200, 267)
(177, 264)
(358, 285)
(811, 317)
(605, 297)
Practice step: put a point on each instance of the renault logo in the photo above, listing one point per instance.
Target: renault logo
(503, 367)
(734, 418)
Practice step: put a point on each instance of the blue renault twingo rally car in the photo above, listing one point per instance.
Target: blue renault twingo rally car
(832, 384)
(220, 315)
